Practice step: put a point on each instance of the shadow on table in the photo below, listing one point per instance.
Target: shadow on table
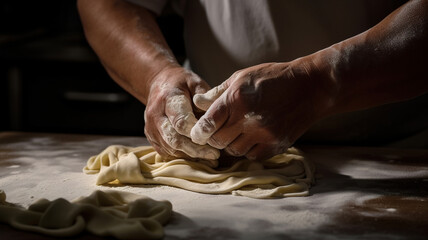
(399, 207)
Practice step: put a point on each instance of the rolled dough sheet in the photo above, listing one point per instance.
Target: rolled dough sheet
(122, 215)
(285, 175)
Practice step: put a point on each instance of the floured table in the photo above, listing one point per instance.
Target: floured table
(368, 193)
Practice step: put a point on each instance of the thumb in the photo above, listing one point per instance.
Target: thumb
(203, 101)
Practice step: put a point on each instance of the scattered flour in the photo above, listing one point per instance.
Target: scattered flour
(52, 168)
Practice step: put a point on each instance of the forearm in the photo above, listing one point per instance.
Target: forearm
(385, 64)
(128, 42)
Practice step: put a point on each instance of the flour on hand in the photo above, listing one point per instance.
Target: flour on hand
(175, 130)
(204, 101)
(184, 144)
(180, 114)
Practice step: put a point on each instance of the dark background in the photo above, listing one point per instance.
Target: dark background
(50, 79)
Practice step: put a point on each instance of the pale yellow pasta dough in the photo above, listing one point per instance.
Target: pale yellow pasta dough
(111, 213)
(285, 175)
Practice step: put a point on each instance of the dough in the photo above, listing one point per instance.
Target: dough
(112, 213)
(285, 175)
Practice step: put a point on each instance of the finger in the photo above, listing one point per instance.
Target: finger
(155, 144)
(212, 120)
(260, 152)
(199, 151)
(162, 147)
(179, 110)
(225, 135)
(179, 142)
(204, 101)
(237, 126)
(241, 145)
(197, 85)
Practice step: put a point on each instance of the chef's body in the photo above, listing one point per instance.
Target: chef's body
(264, 73)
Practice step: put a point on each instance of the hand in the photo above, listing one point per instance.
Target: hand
(260, 111)
(169, 114)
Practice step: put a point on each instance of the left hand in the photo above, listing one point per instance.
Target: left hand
(169, 115)
(260, 111)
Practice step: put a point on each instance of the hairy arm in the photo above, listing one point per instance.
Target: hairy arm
(385, 64)
(133, 50)
(128, 42)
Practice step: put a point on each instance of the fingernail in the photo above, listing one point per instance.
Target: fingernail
(232, 152)
(212, 155)
(201, 101)
(208, 125)
(201, 132)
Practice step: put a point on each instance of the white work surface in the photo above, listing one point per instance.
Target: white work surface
(368, 193)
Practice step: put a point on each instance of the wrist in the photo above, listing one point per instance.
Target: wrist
(324, 77)
(162, 77)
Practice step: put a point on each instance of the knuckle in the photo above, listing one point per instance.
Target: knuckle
(170, 136)
(194, 78)
(244, 95)
(207, 125)
(181, 123)
(235, 152)
(150, 113)
(175, 143)
(236, 75)
(177, 103)
(213, 141)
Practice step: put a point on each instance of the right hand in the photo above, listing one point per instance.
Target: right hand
(169, 115)
(262, 110)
